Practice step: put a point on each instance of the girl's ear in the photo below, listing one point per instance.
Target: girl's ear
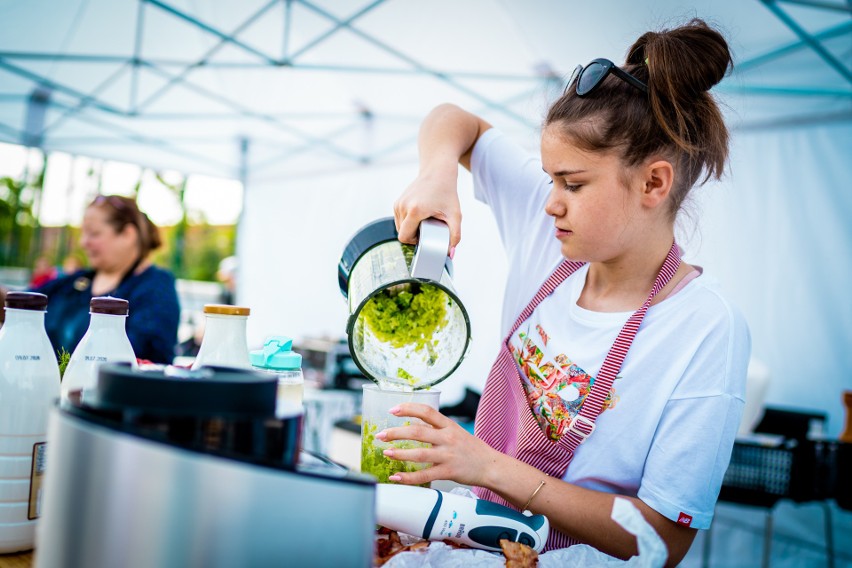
(658, 178)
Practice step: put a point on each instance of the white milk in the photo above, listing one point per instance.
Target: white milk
(105, 341)
(29, 385)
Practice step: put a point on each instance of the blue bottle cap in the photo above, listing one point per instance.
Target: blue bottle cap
(276, 354)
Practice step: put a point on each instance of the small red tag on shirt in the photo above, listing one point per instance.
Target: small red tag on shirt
(684, 520)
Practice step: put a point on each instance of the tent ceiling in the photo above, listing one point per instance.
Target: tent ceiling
(319, 84)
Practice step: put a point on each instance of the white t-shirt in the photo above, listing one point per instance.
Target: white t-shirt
(678, 397)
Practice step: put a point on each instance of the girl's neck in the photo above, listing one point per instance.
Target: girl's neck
(623, 283)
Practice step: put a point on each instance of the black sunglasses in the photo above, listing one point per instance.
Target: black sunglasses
(589, 77)
(124, 211)
(112, 200)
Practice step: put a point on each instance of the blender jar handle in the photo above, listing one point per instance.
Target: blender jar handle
(431, 252)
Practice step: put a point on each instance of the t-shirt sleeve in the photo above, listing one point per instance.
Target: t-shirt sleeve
(686, 465)
(693, 442)
(511, 182)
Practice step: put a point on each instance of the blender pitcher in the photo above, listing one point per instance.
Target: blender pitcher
(407, 327)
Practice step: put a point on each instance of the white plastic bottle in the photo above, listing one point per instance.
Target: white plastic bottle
(105, 340)
(29, 385)
(224, 343)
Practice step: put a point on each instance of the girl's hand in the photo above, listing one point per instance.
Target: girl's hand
(430, 195)
(455, 454)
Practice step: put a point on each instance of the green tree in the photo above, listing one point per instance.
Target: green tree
(17, 220)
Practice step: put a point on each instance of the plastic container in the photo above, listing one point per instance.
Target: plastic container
(105, 341)
(278, 358)
(407, 326)
(224, 343)
(375, 417)
(29, 385)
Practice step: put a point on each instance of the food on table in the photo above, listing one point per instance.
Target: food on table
(389, 544)
(518, 555)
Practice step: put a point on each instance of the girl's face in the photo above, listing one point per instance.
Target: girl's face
(596, 216)
(104, 247)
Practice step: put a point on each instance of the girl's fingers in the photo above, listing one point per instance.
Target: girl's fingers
(416, 455)
(424, 412)
(416, 432)
(419, 477)
(407, 228)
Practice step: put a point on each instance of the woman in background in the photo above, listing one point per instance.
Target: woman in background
(117, 238)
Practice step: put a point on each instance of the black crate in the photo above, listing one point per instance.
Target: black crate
(763, 472)
(843, 476)
(759, 473)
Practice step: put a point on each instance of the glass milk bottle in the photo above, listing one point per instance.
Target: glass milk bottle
(105, 340)
(29, 385)
(278, 358)
(224, 343)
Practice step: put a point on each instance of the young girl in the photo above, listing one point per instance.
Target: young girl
(623, 368)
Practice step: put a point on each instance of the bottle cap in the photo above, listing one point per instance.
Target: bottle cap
(109, 305)
(26, 301)
(276, 354)
(226, 310)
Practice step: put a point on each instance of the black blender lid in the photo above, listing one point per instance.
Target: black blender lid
(370, 235)
(174, 390)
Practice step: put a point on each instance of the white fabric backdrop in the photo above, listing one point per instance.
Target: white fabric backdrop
(777, 233)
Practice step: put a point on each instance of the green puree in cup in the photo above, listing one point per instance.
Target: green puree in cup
(375, 462)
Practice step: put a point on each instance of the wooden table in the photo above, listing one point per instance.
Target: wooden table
(17, 560)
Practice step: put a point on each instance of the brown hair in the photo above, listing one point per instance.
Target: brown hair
(678, 118)
(122, 211)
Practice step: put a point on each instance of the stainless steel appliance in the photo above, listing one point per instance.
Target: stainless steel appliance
(206, 475)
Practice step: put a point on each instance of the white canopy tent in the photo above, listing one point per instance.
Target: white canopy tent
(314, 105)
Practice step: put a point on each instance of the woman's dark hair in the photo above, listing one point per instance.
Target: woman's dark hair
(122, 211)
(678, 118)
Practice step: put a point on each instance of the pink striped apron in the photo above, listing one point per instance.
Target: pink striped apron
(504, 419)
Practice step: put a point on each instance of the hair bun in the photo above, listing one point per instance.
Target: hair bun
(689, 59)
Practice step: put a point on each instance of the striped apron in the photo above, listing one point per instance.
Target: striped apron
(504, 419)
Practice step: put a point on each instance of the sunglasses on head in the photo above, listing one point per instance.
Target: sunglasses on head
(588, 78)
(123, 213)
(115, 201)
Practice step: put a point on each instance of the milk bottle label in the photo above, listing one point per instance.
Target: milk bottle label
(36, 476)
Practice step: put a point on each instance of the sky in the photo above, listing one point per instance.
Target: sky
(68, 187)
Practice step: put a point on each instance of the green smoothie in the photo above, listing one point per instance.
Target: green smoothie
(410, 316)
(375, 462)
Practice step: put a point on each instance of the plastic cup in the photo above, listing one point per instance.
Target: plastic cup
(375, 417)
